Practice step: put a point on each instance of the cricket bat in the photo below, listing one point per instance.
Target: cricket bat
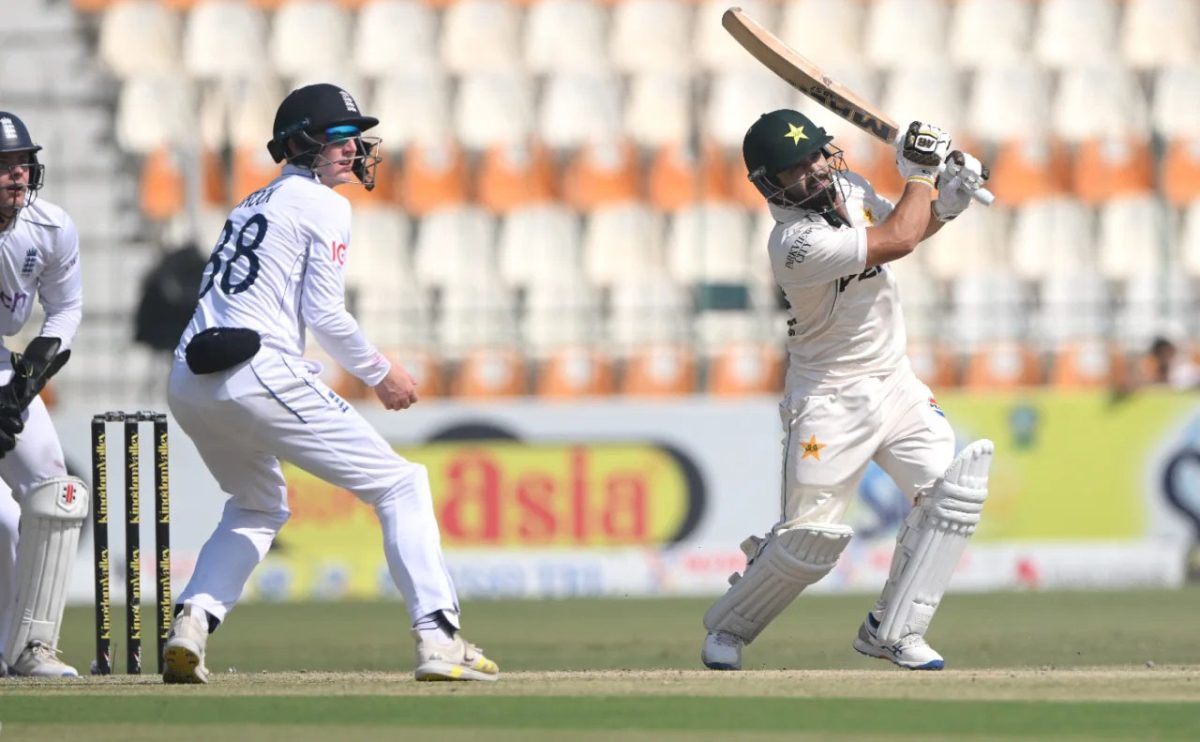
(807, 77)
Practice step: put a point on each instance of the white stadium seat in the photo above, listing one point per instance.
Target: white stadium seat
(562, 313)
(1052, 236)
(736, 100)
(455, 245)
(715, 48)
(1098, 102)
(481, 35)
(565, 36)
(987, 33)
(309, 38)
(1157, 33)
(709, 242)
(1009, 101)
(155, 111)
(540, 244)
(225, 38)
(622, 241)
(839, 42)
(651, 36)
(493, 108)
(1189, 241)
(578, 109)
(395, 37)
(658, 108)
(414, 107)
(648, 309)
(476, 311)
(1075, 32)
(1173, 108)
(140, 37)
(905, 32)
(1130, 236)
(928, 92)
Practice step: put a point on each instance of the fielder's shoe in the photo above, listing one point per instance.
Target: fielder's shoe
(722, 651)
(40, 660)
(183, 655)
(911, 652)
(454, 660)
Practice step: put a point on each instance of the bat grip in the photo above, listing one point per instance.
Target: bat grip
(982, 195)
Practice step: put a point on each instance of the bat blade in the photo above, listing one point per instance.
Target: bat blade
(805, 76)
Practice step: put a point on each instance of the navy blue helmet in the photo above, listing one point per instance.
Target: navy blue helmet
(14, 137)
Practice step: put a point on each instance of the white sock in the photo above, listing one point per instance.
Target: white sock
(434, 627)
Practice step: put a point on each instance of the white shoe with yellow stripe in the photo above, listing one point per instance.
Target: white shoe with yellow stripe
(455, 660)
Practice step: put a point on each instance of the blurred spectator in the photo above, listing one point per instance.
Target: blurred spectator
(169, 295)
(1163, 365)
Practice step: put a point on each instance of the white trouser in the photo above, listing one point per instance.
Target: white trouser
(280, 410)
(38, 456)
(830, 438)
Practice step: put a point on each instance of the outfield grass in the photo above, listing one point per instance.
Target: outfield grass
(1082, 665)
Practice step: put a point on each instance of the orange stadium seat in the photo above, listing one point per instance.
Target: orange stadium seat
(573, 372)
(1181, 171)
(1086, 365)
(162, 185)
(1002, 365)
(659, 371)
(253, 168)
(384, 191)
(1105, 169)
(601, 174)
(741, 369)
(431, 177)
(676, 179)
(741, 190)
(91, 6)
(487, 373)
(511, 176)
(1029, 170)
(933, 364)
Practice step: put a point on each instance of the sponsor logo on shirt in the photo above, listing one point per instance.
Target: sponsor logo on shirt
(15, 301)
(933, 404)
(800, 235)
(338, 252)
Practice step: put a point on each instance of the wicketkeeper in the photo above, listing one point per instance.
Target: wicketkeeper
(851, 396)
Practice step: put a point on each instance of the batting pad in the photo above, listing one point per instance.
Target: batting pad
(791, 560)
(51, 517)
(931, 542)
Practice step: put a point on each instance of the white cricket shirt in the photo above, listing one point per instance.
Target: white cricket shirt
(39, 254)
(845, 320)
(278, 269)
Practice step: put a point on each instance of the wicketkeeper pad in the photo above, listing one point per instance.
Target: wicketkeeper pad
(51, 517)
(779, 569)
(931, 542)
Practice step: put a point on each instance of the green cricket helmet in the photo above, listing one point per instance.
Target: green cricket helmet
(777, 141)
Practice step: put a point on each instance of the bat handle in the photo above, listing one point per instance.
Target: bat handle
(981, 194)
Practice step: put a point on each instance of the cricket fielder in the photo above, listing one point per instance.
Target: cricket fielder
(39, 256)
(851, 396)
(241, 389)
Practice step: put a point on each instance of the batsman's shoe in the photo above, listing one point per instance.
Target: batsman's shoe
(722, 651)
(40, 660)
(911, 652)
(453, 660)
(183, 655)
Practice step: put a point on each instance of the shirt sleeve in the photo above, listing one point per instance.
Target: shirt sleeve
(60, 287)
(813, 253)
(323, 300)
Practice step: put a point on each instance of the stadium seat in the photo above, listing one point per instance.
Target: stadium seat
(253, 168)
(565, 36)
(223, 39)
(715, 49)
(411, 108)
(623, 241)
(1009, 103)
(934, 364)
(1051, 236)
(1104, 169)
(658, 109)
(395, 38)
(490, 373)
(841, 21)
(475, 312)
(1073, 32)
(309, 38)
(481, 35)
(574, 372)
(1025, 171)
(493, 108)
(1173, 117)
(1088, 364)
(989, 33)
(558, 315)
(1099, 101)
(455, 245)
(648, 309)
(139, 37)
(921, 296)
(579, 109)
(905, 32)
(735, 100)
(676, 179)
(973, 243)
(659, 371)
(153, 112)
(1189, 240)
(989, 305)
(515, 175)
(540, 244)
(600, 174)
(745, 369)
(650, 36)
(1002, 366)
(432, 176)
(1157, 33)
(929, 92)
(708, 242)
(163, 187)
(1074, 305)
(1151, 300)
(1131, 233)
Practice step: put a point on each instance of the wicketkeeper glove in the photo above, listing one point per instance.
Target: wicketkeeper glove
(920, 152)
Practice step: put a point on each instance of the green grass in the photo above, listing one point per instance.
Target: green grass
(1085, 665)
(1077, 629)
